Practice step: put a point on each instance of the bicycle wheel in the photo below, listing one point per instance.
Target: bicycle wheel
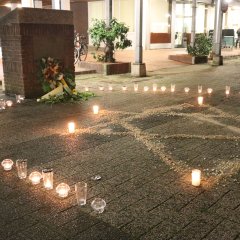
(76, 55)
(83, 52)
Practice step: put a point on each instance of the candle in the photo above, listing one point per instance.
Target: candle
(209, 91)
(7, 164)
(186, 90)
(227, 90)
(172, 88)
(199, 89)
(110, 88)
(135, 87)
(154, 87)
(35, 177)
(124, 88)
(163, 88)
(196, 177)
(145, 89)
(86, 89)
(19, 98)
(62, 190)
(71, 127)
(200, 100)
(101, 88)
(47, 175)
(9, 103)
(95, 109)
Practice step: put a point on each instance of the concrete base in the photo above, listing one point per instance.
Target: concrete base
(138, 70)
(217, 60)
(186, 58)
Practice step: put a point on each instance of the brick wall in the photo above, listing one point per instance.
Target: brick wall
(27, 35)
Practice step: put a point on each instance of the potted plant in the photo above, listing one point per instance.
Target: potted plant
(112, 36)
(201, 49)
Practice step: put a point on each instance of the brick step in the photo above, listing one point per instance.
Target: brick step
(81, 71)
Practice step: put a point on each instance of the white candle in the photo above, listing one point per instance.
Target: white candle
(9, 103)
(62, 190)
(35, 177)
(186, 90)
(124, 88)
(200, 100)
(135, 87)
(172, 88)
(227, 90)
(199, 89)
(145, 89)
(86, 89)
(95, 109)
(7, 164)
(101, 88)
(71, 127)
(209, 91)
(154, 87)
(110, 88)
(163, 88)
(196, 177)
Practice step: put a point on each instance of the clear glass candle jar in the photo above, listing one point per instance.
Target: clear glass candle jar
(7, 164)
(47, 175)
(98, 204)
(21, 165)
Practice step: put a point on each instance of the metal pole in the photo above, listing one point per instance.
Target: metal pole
(194, 14)
(138, 30)
(108, 11)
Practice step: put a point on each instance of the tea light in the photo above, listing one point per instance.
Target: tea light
(101, 88)
(7, 164)
(19, 98)
(47, 175)
(154, 87)
(124, 88)
(9, 103)
(172, 88)
(2, 104)
(209, 91)
(110, 88)
(200, 100)
(196, 177)
(95, 109)
(227, 90)
(199, 89)
(186, 90)
(86, 89)
(35, 177)
(163, 88)
(71, 127)
(98, 204)
(62, 190)
(145, 89)
(135, 86)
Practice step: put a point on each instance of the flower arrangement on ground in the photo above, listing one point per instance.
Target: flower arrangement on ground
(58, 84)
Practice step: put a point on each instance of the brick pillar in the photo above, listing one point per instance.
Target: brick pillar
(27, 35)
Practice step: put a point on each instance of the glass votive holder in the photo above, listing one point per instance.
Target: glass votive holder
(196, 177)
(95, 109)
(135, 87)
(145, 88)
(124, 88)
(81, 193)
(98, 204)
(154, 87)
(186, 89)
(62, 190)
(172, 88)
(7, 164)
(2, 104)
(47, 175)
(21, 165)
(86, 89)
(163, 88)
(71, 127)
(200, 100)
(209, 91)
(101, 88)
(227, 90)
(110, 87)
(9, 103)
(19, 98)
(199, 89)
(35, 177)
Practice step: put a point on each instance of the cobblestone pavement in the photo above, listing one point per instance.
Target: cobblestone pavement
(144, 146)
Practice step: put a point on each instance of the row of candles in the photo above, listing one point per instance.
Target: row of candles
(9, 103)
(163, 89)
(62, 189)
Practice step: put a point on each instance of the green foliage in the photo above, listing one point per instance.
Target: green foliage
(113, 37)
(66, 98)
(202, 46)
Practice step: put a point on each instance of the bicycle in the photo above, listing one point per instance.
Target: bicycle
(80, 48)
